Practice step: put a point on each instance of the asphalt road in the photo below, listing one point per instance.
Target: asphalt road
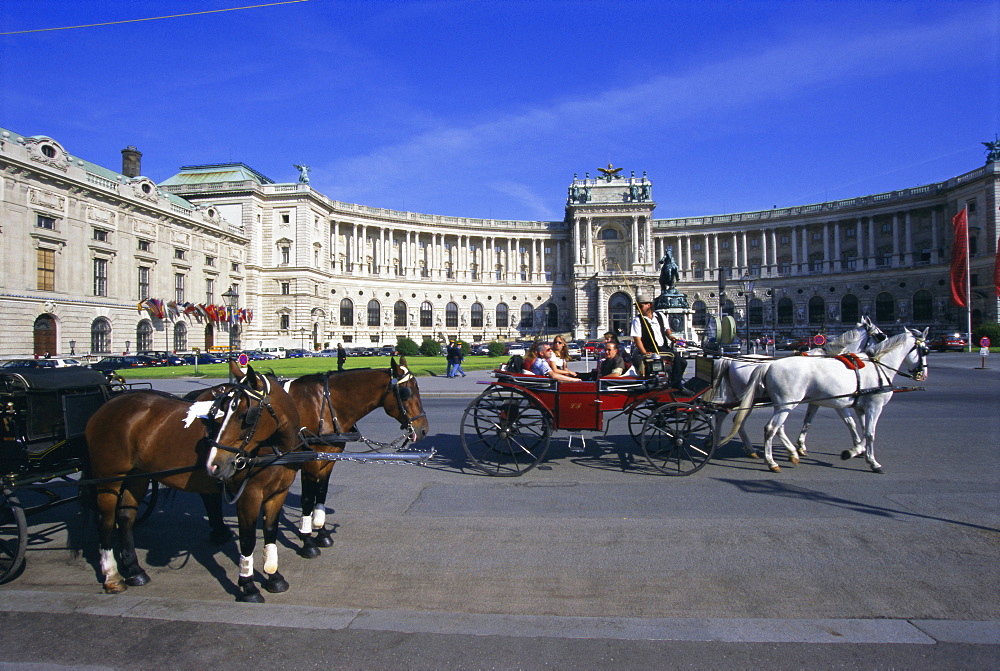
(576, 564)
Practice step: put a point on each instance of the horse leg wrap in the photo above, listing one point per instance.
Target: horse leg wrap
(248, 591)
(246, 567)
(319, 516)
(271, 558)
(275, 583)
(306, 525)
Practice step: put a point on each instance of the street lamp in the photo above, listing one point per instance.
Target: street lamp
(232, 299)
(72, 348)
(746, 284)
(302, 337)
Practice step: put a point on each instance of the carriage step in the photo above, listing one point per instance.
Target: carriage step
(328, 438)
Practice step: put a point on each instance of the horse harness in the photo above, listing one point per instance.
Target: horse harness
(243, 458)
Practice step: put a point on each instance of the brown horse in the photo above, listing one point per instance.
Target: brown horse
(333, 402)
(146, 432)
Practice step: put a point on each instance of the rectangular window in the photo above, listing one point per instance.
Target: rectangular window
(724, 244)
(286, 255)
(100, 277)
(850, 232)
(101, 236)
(46, 270)
(699, 273)
(235, 267)
(48, 223)
(179, 253)
(286, 288)
(209, 291)
(786, 239)
(209, 260)
(286, 219)
(785, 267)
(696, 246)
(284, 322)
(179, 287)
(818, 235)
(145, 245)
(143, 283)
(755, 242)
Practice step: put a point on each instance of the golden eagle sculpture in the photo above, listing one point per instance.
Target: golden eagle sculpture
(610, 172)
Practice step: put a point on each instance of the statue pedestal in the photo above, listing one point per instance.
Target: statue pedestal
(673, 305)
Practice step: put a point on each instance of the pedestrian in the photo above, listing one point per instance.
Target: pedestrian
(341, 357)
(459, 358)
(452, 358)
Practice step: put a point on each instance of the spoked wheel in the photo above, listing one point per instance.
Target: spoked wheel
(505, 432)
(13, 535)
(678, 439)
(637, 419)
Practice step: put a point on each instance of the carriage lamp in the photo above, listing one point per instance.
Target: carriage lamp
(746, 285)
(72, 348)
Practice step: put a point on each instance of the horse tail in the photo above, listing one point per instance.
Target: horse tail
(746, 401)
(721, 388)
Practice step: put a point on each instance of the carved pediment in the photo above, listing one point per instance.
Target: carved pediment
(47, 152)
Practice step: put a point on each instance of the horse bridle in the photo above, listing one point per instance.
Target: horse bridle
(243, 458)
(402, 394)
(917, 372)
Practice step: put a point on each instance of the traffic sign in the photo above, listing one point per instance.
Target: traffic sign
(984, 342)
(819, 340)
(243, 360)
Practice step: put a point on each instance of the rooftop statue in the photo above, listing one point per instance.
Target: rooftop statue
(992, 150)
(303, 173)
(610, 172)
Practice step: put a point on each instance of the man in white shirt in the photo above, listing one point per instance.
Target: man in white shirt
(651, 334)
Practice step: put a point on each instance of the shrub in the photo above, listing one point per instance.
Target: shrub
(430, 347)
(497, 348)
(407, 347)
(989, 329)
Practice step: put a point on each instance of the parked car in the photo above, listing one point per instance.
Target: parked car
(298, 353)
(327, 352)
(163, 358)
(481, 349)
(796, 344)
(204, 358)
(593, 348)
(517, 348)
(257, 355)
(574, 351)
(387, 350)
(52, 362)
(948, 342)
(113, 363)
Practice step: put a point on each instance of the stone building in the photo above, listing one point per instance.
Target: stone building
(315, 271)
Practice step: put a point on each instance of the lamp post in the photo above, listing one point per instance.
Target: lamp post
(302, 337)
(746, 285)
(72, 348)
(232, 299)
(127, 343)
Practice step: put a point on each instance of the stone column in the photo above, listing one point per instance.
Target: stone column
(934, 237)
(895, 240)
(838, 265)
(792, 232)
(908, 240)
(826, 266)
(872, 250)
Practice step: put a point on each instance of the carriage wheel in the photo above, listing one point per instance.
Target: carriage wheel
(505, 432)
(637, 419)
(13, 535)
(678, 439)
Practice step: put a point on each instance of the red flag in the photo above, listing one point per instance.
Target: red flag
(960, 259)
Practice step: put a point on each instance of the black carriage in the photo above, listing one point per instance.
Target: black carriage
(506, 430)
(43, 414)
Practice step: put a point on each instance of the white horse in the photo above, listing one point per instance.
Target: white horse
(732, 375)
(861, 392)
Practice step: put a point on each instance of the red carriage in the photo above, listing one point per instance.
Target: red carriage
(507, 429)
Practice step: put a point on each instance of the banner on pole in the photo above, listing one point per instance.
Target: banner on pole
(960, 259)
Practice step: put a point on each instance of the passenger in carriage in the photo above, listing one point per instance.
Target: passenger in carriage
(542, 364)
(612, 365)
(560, 354)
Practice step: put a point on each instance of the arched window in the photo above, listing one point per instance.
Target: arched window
(143, 336)
(527, 316)
(374, 313)
(923, 306)
(399, 314)
(816, 307)
(619, 313)
(849, 309)
(347, 312)
(608, 234)
(451, 315)
(100, 336)
(700, 314)
(785, 311)
(477, 315)
(503, 316)
(180, 337)
(885, 308)
(426, 314)
(755, 314)
(552, 316)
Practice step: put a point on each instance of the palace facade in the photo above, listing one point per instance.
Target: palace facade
(85, 247)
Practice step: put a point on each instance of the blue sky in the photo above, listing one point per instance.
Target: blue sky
(487, 109)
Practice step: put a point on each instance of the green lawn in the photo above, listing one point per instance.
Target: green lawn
(419, 365)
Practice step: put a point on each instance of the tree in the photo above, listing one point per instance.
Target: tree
(497, 348)
(407, 347)
(430, 347)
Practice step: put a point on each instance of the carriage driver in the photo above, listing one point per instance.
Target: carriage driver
(651, 335)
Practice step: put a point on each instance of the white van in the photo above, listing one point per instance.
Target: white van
(274, 351)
